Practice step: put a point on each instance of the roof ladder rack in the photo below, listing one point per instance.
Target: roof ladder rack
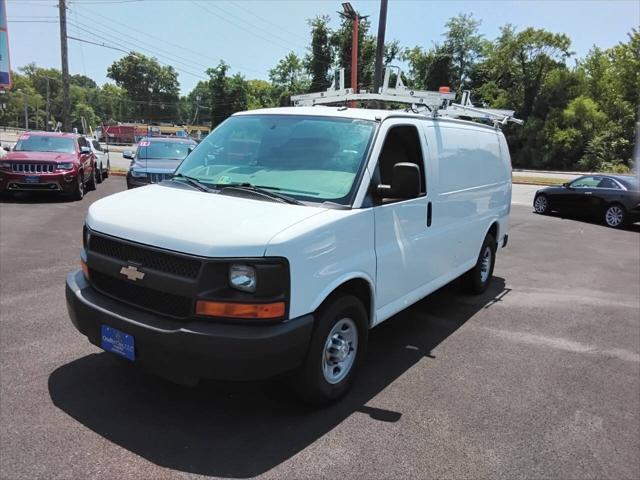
(437, 103)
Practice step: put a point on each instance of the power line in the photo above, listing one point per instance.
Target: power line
(182, 49)
(98, 44)
(32, 21)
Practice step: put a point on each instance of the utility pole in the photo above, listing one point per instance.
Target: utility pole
(355, 18)
(66, 123)
(382, 27)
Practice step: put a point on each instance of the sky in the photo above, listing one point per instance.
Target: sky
(252, 35)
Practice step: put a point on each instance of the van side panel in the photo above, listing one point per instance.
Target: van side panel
(474, 185)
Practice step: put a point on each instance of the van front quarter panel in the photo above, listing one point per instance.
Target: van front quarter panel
(324, 252)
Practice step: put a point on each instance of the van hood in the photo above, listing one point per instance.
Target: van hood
(41, 156)
(193, 222)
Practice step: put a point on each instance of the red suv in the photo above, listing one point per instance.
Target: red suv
(52, 162)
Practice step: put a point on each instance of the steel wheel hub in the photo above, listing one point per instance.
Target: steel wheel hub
(340, 351)
(485, 265)
(540, 204)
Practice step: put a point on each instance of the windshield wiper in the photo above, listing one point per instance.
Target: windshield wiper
(262, 190)
(194, 182)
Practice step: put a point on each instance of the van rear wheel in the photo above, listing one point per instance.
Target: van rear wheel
(478, 278)
(335, 352)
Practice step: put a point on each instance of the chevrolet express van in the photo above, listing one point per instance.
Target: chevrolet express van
(284, 237)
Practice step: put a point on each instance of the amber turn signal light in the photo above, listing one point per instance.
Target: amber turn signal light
(240, 310)
(85, 269)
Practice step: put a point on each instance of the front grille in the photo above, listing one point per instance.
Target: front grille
(160, 302)
(34, 167)
(163, 262)
(159, 177)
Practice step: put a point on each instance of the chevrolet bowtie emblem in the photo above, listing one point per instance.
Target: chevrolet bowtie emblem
(132, 273)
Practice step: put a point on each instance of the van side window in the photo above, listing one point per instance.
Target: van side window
(402, 144)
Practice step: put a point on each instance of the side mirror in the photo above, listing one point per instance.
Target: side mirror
(85, 150)
(190, 149)
(566, 185)
(6, 148)
(105, 149)
(405, 182)
(127, 154)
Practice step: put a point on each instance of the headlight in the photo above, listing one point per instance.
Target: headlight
(135, 174)
(242, 277)
(64, 166)
(6, 165)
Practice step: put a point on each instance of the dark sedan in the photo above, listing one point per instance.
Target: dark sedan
(614, 199)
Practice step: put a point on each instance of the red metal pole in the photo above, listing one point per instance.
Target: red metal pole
(354, 56)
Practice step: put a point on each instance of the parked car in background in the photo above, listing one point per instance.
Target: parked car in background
(102, 159)
(155, 159)
(49, 162)
(613, 199)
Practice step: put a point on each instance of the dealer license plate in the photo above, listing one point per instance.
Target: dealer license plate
(120, 343)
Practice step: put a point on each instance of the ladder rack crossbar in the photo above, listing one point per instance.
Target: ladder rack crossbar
(438, 103)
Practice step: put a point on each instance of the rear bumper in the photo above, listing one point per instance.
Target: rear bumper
(186, 351)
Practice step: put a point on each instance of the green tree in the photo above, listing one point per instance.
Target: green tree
(81, 110)
(228, 94)
(430, 69)
(153, 88)
(288, 78)
(319, 61)
(260, 94)
(465, 45)
(519, 63)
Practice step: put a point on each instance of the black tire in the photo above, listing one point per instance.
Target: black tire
(99, 175)
(78, 193)
(615, 216)
(310, 381)
(107, 171)
(477, 280)
(91, 184)
(541, 204)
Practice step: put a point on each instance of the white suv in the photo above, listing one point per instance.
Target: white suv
(284, 237)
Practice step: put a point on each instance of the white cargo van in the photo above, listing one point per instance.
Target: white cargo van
(285, 236)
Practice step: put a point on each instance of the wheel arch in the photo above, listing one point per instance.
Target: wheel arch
(494, 229)
(360, 286)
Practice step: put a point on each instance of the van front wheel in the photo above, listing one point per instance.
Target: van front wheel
(478, 278)
(335, 352)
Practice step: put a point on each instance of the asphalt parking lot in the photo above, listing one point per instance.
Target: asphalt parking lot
(537, 378)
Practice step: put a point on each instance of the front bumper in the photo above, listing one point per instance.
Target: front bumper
(186, 351)
(47, 182)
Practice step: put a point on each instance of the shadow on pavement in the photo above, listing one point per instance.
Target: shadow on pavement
(634, 227)
(244, 429)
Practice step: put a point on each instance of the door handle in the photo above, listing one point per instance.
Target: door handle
(429, 212)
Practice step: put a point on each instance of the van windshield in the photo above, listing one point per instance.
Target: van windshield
(306, 157)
